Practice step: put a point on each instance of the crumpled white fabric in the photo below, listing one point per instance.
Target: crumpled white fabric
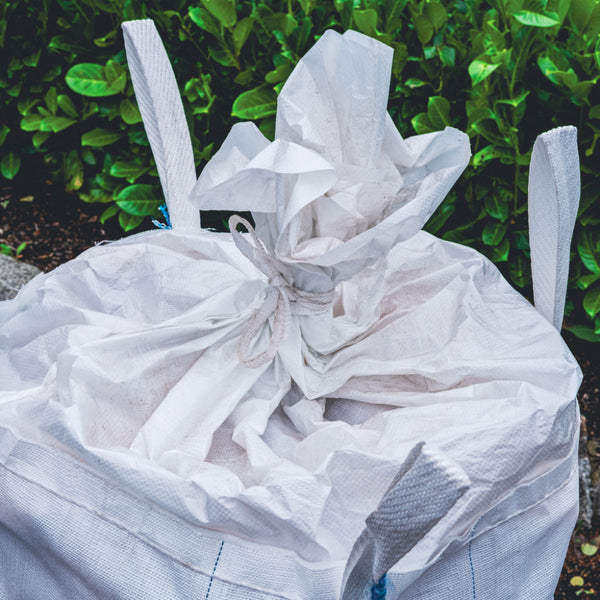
(127, 356)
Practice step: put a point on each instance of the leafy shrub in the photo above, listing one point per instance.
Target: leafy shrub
(501, 70)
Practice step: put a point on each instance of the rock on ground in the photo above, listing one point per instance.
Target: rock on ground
(14, 275)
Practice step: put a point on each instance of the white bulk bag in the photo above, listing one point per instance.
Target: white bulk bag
(295, 412)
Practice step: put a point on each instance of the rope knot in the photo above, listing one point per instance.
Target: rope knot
(283, 298)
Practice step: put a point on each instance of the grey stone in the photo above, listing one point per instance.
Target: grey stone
(586, 502)
(14, 274)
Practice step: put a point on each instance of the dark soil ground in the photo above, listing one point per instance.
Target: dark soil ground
(57, 227)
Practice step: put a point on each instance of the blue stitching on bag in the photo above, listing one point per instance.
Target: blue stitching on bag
(471, 559)
(213, 571)
(378, 590)
(165, 212)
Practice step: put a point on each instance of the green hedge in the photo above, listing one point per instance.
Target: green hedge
(501, 70)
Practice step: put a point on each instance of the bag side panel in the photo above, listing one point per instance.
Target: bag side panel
(518, 559)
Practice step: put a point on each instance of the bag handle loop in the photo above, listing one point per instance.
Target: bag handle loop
(554, 190)
(425, 489)
(162, 112)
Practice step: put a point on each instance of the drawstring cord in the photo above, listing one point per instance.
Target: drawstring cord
(283, 299)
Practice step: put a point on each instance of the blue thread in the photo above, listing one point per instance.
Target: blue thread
(213, 571)
(165, 212)
(378, 590)
(471, 559)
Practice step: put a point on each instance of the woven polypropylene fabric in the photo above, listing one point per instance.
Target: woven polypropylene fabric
(518, 559)
(160, 104)
(554, 188)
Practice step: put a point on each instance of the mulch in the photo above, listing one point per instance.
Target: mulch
(57, 226)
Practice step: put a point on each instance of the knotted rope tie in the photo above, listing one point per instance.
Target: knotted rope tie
(283, 299)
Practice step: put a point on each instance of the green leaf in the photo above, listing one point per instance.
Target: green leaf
(554, 73)
(488, 128)
(589, 251)
(585, 281)
(421, 124)
(32, 59)
(99, 137)
(576, 581)
(514, 102)
(222, 10)
(138, 138)
(244, 77)
(460, 235)
(308, 6)
(496, 205)
(66, 105)
(88, 156)
(128, 170)
(39, 137)
(447, 55)
(115, 75)
(593, 27)
(400, 58)
(203, 19)
(267, 128)
(241, 32)
(486, 154)
(412, 83)
(424, 28)
(438, 111)
(128, 221)
(439, 217)
(223, 55)
(480, 70)
(594, 112)
(199, 93)
(436, 13)
(580, 14)
(31, 122)
(533, 19)
(73, 170)
(106, 40)
(111, 211)
(591, 304)
(582, 89)
(96, 195)
(15, 90)
(89, 79)
(51, 100)
(4, 131)
(255, 104)
(10, 164)
(139, 199)
(589, 549)
(584, 333)
(66, 44)
(281, 73)
(366, 20)
(89, 109)
(24, 106)
(499, 253)
(282, 22)
(520, 271)
(493, 233)
(129, 112)
(56, 124)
